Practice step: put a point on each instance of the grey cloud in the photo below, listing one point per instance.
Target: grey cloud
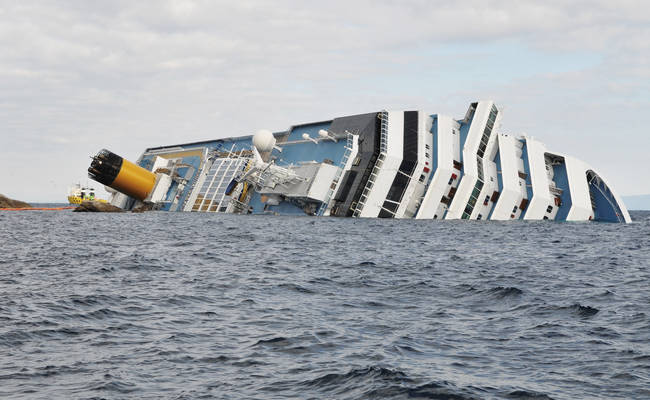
(127, 75)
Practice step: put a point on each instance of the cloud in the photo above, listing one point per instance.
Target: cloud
(127, 75)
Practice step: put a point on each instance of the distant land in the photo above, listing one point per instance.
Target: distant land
(640, 202)
(6, 202)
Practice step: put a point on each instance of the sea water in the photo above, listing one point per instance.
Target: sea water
(193, 305)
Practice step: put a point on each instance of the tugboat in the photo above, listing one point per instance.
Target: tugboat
(78, 193)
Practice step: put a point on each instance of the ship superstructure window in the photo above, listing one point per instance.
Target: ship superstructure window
(487, 132)
(472, 200)
(212, 196)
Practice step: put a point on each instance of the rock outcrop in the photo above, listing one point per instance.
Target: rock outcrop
(6, 202)
(144, 207)
(96, 206)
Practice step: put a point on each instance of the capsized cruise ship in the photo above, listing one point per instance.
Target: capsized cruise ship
(385, 164)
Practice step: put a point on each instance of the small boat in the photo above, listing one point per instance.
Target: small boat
(78, 193)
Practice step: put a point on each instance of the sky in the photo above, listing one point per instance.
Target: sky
(79, 76)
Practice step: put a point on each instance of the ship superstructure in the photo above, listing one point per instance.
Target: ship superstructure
(385, 164)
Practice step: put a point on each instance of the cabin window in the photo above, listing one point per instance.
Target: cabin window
(451, 180)
(478, 218)
(514, 209)
(427, 155)
(549, 209)
(422, 178)
(427, 146)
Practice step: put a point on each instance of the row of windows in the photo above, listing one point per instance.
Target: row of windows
(485, 138)
(487, 131)
(472, 199)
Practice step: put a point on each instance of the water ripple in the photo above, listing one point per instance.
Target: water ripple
(188, 306)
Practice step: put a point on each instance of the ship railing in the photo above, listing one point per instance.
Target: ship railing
(383, 146)
(335, 182)
(369, 185)
(226, 172)
(209, 159)
(217, 153)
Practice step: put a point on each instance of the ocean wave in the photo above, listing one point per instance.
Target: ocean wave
(174, 306)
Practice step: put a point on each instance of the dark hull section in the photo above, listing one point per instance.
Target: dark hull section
(368, 127)
(406, 168)
(603, 201)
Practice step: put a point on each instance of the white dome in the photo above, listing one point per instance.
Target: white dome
(263, 140)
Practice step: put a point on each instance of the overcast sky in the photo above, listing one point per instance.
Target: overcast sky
(78, 76)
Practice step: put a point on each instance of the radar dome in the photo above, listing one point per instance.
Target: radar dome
(263, 140)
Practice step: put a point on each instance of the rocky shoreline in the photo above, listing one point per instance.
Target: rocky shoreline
(6, 202)
(85, 206)
(96, 206)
